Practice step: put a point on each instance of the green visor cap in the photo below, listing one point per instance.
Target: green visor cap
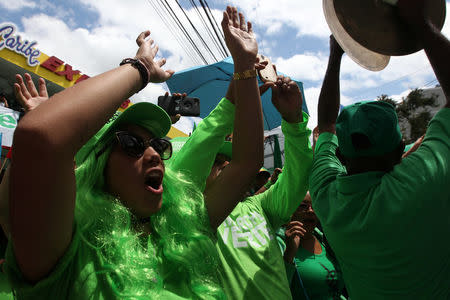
(144, 114)
(377, 120)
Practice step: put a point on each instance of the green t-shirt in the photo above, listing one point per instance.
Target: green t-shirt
(77, 275)
(251, 263)
(320, 277)
(389, 230)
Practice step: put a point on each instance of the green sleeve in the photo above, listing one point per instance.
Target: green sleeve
(326, 166)
(281, 200)
(197, 155)
(290, 267)
(425, 173)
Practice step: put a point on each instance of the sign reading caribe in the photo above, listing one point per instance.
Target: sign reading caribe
(14, 43)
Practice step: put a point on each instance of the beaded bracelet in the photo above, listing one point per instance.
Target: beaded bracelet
(143, 71)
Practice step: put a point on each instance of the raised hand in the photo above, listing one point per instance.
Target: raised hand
(287, 99)
(26, 93)
(274, 176)
(176, 117)
(239, 37)
(146, 54)
(294, 232)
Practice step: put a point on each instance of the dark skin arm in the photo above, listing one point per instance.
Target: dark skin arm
(437, 46)
(329, 98)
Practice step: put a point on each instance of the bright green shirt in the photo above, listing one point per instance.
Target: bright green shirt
(252, 266)
(77, 275)
(389, 230)
(320, 278)
(251, 263)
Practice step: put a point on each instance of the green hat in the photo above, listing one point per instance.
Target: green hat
(147, 115)
(377, 120)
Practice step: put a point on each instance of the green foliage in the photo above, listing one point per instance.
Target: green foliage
(386, 98)
(407, 111)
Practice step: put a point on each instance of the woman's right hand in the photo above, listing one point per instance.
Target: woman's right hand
(146, 54)
(294, 232)
(239, 38)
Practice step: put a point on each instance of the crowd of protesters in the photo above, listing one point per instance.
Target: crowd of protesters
(102, 207)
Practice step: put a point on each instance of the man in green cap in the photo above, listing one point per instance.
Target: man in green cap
(383, 215)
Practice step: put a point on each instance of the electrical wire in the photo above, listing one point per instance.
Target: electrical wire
(368, 91)
(174, 33)
(210, 16)
(207, 29)
(180, 25)
(196, 31)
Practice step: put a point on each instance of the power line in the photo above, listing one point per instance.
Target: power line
(167, 6)
(196, 31)
(203, 3)
(360, 96)
(207, 28)
(177, 37)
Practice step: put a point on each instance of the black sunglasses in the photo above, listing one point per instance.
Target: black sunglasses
(135, 146)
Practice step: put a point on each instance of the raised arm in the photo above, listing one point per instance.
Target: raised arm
(29, 97)
(197, 155)
(229, 188)
(436, 45)
(329, 98)
(281, 200)
(42, 191)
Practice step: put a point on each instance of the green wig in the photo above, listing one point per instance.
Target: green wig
(178, 256)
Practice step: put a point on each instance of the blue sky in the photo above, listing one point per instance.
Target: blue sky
(93, 36)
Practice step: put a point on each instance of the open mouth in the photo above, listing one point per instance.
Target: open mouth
(153, 181)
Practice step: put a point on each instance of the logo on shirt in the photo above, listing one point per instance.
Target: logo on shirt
(248, 230)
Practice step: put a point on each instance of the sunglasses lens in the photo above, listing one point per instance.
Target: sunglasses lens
(163, 147)
(131, 144)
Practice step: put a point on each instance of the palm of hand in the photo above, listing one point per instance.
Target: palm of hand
(241, 39)
(33, 102)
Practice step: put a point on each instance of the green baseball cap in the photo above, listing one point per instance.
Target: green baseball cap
(377, 120)
(147, 115)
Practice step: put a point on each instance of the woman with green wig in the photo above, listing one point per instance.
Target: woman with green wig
(122, 226)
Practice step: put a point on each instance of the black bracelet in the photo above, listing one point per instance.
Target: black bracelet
(140, 67)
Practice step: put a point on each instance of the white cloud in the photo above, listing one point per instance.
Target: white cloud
(312, 97)
(310, 66)
(305, 16)
(275, 28)
(16, 4)
(112, 39)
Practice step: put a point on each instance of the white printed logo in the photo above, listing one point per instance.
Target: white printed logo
(246, 230)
